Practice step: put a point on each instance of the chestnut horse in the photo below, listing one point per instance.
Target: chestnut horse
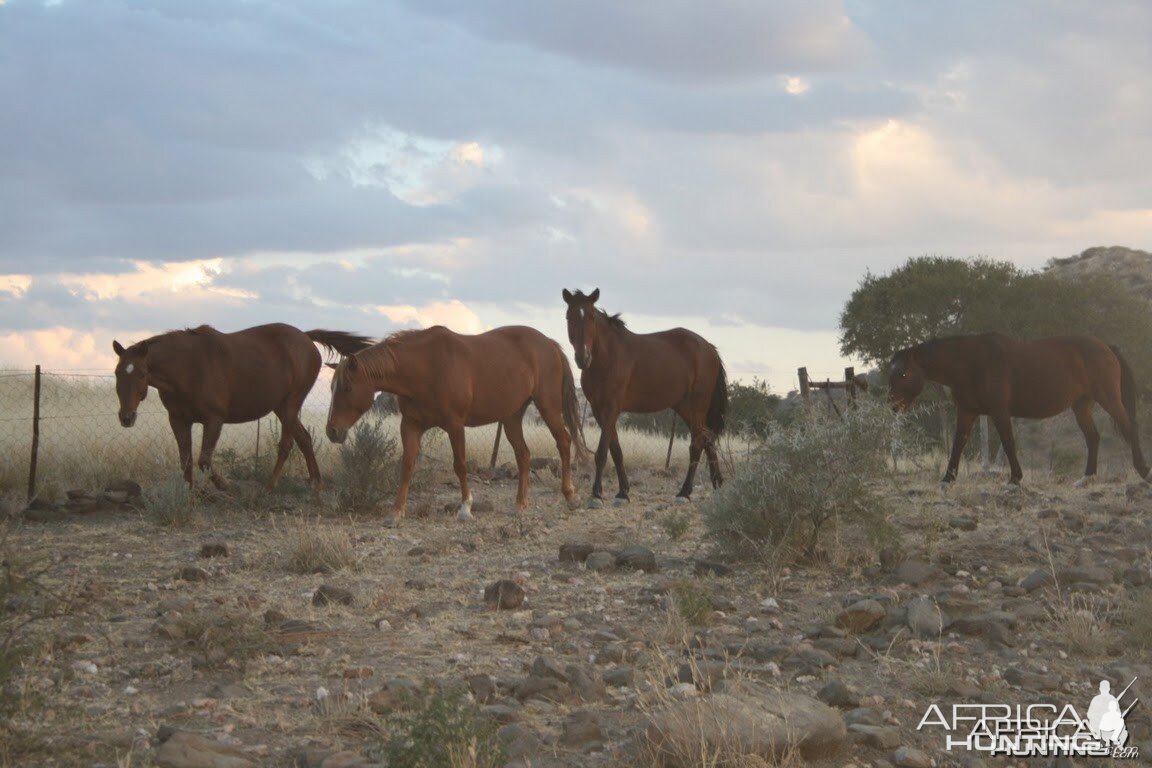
(1002, 377)
(644, 373)
(213, 378)
(452, 381)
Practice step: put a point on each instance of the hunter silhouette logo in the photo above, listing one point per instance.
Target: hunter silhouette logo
(1031, 730)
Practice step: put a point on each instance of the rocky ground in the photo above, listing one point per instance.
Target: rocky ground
(612, 632)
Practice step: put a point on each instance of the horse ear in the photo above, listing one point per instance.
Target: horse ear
(117, 348)
(353, 364)
(594, 295)
(567, 296)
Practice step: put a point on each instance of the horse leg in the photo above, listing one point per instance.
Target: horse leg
(695, 448)
(287, 434)
(601, 460)
(618, 460)
(713, 462)
(964, 422)
(410, 434)
(514, 431)
(182, 430)
(304, 442)
(212, 429)
(460, 464)
(555, 421)
(1003, 423)
(1083, 410)
(1125, 422)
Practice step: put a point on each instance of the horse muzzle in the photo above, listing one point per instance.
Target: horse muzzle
(583, 359)
(336, 435)
(127, 419)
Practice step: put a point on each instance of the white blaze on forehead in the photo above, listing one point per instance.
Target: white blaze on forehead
(129, 368)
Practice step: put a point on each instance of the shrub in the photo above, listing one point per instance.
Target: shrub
(677, 523)
(319, 548)
(442, 730)
(367, 474)
(821, 468)
(172, 503)
(692, 602)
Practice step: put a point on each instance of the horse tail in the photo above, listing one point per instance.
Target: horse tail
(571, 408)
(340, 342)
(718, 407)
(1127, 387)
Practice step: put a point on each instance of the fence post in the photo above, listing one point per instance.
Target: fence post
(850, 384)
(671, 439)
(496, 444)
(804, 387)
(35, 435)
(256, 461)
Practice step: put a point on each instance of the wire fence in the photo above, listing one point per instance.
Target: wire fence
(69, 435)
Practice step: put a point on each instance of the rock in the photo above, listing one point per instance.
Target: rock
(327, 594)
(836, 694)
(916, 572)
(620, 677)
(575, 553)
(582, 731)
(863, 716)
(924, 617)
(637, 557)
(482, 687)
(1036, 681)
(214, 549)
(600, 561)
(520, 741)
(1035, 580)
(963, 522)
(504, 595)
(909, 757)
(545, 667)
(192, 573)
(187, 750)
(585, 682)
(861, 616)
(546, 688)
(766, 722)
(711, 568)
(877, 736)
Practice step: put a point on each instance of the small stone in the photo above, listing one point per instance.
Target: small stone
(504, 595)
(924, 618)
(214, 549)
(637, 557)
(916, 572)
(878, 736)
(327, 594)
(482, 687)
(575, 553)
(600, 561)
(836, 694)
(193, 573)
(861, 616)
(910, 757)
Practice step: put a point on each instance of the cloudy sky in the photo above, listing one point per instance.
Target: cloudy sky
(733, 166)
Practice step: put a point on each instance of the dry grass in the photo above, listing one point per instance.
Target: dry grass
(317, 546)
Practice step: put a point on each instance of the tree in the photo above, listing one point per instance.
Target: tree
(929, 296)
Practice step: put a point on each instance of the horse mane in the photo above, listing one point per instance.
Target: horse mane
(374, 358)
(141, 347)
(614, 321)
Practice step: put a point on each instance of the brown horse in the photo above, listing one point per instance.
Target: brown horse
(213, 378)
(644, 373)
(452, 381)
(1003, 377)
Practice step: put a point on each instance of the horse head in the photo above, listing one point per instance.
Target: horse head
(352, 396)
(905, 380)
(131, 379)
(582, 324)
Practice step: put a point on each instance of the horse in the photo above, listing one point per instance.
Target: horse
(212, 378)
(452, 381)
(643, 373)
(1002, 377)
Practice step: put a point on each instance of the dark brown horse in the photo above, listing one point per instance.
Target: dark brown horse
(452, 381)
(1003, 377)
(644, 373)
(213, 378)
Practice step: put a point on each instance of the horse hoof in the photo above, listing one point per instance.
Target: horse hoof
(620, 501)
(464, 514)
(595, 503)
(392, 521)
(944, 486)
(1085, 481)
(683, 499)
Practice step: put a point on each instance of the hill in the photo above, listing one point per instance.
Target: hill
(1130, 266)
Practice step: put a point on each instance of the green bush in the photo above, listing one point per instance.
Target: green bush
(172, 503)
(367, 474)
(441, 730)
(822, 468)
